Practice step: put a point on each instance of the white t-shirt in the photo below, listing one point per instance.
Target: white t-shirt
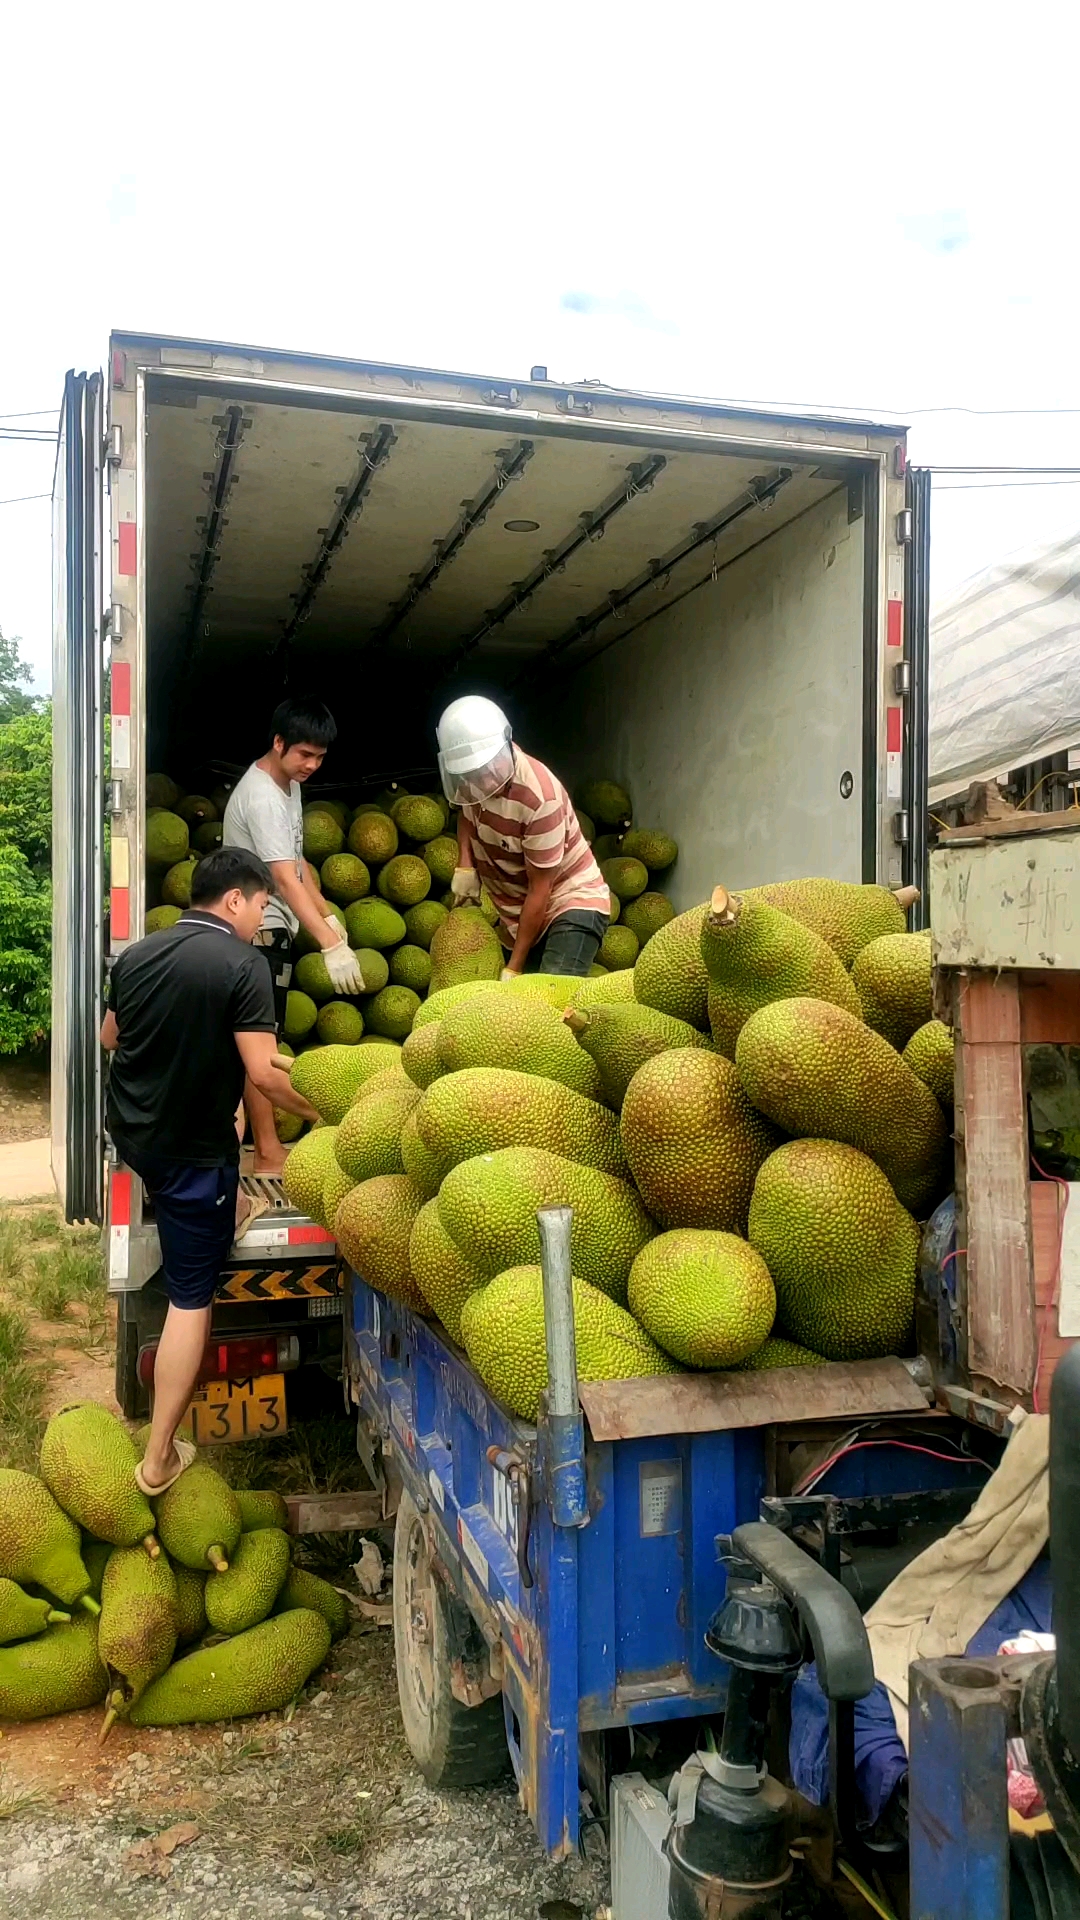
(268, 823)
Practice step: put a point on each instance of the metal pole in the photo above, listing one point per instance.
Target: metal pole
(569, 1505)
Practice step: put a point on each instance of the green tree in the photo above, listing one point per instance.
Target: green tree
(13, 671)
(25, 946)
(26, 785)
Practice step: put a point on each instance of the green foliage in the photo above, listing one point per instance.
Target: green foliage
(25, 944)
(13, 699)
(26, 782)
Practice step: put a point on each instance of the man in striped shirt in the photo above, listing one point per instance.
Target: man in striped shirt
(518, 836)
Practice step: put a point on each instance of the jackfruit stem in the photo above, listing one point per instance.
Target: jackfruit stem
(906, 896)
(576, 1020)
(54, 1617)
(107, 1726)
(282, 1061)
(724, 908)
(87, 1600)
(216, 1557)
(152, 1545)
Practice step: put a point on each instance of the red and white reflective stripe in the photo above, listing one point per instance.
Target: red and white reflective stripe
(894, 624)
(120, 713)
(894, 753)
(127, 543)
(119, 1225)
(304, 1236)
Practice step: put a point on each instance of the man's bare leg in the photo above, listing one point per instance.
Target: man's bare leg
(176, 1369)
(270, 1154)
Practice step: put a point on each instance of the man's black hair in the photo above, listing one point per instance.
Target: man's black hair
(228, 867)
(300, 721)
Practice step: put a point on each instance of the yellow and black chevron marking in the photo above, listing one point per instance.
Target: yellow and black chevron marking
(281, 1283)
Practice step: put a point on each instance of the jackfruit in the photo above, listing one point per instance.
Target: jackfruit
(368, 1141)
(929, 1054)
(208, 837)
(88, 1464)
(254, 1672)
(657, 851)
(404, 880)
(312, 978)
(304, 1589)
(840, 1247)
(340, 1024)
(626, 878)
(306, 1168)
(817, 1072)
(597, 972)
(778, 1352)
(137, 1630)
(422, 922)
(176, 886)
(161, 792)
(488, 1207)
(198, 1518)
(440, 1000)
(607, 802)
(556, 989)
(58, 1672)
(335, 808)
(588, 827)
(707, 1298)
(390, 796)
(331, 1077)
(373, 837)
(620, 1037)
(344, 878)
(391, 1012)
(482, 1109)
(423, 1169)
(374, 923)
(373, 1226)
(646, 915)
(754, 955)
(166, 839)
(892, 975)
(260, 1507)
(464, 948)
(420, 1054)
(196, 809)
(693, 1141)
(322, 835)
(243, 1596)
(159, 918)
(39, 1543)
(190, 1603)
(670, 974)
(518, 1031)
(503, 1331)
(843, 913)
(618, 949)
(444, 1275)
(22, 1616)
(605, 989)
(411, 967)
(301, 1014)
(417, 818)
(95, 1553)
(606, 847)
(335, 1186)
(302, 939)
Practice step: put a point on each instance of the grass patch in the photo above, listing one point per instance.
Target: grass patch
(12, 1801)
(44, 1224)
(22, 1388)
(14, 1240)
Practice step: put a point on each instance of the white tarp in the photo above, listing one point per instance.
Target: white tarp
(1005, 667)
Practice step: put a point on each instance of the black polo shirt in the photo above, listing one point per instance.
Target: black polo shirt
(177, 1077)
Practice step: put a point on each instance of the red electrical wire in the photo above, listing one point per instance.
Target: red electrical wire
(810, 1480)
(1051, 1308)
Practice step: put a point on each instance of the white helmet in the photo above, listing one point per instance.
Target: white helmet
(476, 755)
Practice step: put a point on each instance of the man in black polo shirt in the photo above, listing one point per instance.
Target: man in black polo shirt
(190, 1012)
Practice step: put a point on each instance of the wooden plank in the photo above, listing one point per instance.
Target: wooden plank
(989, 1009)
(333, 1512)
(997, 1212)
(1047, 1207)
(1050, 1008)
(718, 1402)
(1010, 825)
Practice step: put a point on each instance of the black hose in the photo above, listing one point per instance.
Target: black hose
(1065, 1539)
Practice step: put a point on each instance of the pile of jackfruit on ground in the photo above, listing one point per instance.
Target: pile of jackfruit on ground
(187, 1608)
(748, 1125)
(387, 865)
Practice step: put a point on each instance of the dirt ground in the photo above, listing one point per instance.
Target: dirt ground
(24, 1098)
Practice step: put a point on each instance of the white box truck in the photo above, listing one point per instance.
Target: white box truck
(723, 608)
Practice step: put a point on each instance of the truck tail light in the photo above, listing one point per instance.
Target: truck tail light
(238, 1357)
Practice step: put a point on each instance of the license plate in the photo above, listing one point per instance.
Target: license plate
(225, 1411)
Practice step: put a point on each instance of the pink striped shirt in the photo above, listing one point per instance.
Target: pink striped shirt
(533, 819)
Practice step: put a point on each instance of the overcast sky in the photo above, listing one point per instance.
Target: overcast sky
(866, 206)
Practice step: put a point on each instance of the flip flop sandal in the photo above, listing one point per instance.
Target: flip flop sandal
(256, 1209)
(186, 1452)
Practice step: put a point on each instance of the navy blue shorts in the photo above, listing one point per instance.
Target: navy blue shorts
(195, 1214)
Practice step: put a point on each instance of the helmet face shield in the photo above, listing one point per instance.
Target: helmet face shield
(491, 770)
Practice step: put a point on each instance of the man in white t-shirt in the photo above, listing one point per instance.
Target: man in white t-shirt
(264, 815)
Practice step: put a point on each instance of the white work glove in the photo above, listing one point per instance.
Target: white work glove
(465, 885)
(343, 968)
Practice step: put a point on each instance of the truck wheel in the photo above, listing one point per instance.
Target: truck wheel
(453, 1745)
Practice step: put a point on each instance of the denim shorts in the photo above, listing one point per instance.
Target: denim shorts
(570, 943)
(195, 1215)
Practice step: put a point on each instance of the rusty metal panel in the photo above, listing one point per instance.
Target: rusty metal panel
(718, 1402)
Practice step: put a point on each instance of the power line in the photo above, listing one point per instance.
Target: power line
(994, 486)
(16, 499)
(32, 413)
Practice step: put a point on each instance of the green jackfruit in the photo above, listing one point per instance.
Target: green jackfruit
(411, 967)
(301, 1014)
(441, 999)
(391, 1013)
(604, 991)
(555, 989)
(166, 839)
(243, 1596)
(39, 1543)
(929, 1054)
(176, 886)
(313, 979)
(844, 914)
(422, 1167)
(440, 856)
(340, 1024)
(161, 792)
(588, 827)
(754, 955)
(303, 941)
(817, 1072)
(422, 922)
(345, 878)
(519, 1031)
(443, 1274)
(336, 1184)
(254, 1672)
(840, 1248)
(892, 975)
(373, 1227)
(420, 1054)
(137, 1631)
(196, 809)
(693, 1141)
(331, 1077)
(488, 1206)
(404, 880)
(373, 837)
(464, 948)
(374, 923)
(670, 974)
(190, 1603)
(621, 1036)
(417, 818)
(482, 1109)
(607, 802)
(335, 808)
(374, 969)
(22, 1616)
(95, 1553)
(619, 948)
(208, 837)
(304, 1589)
(322, 835)
(778, 1352)
(88, 1464)
(606, 847)
(368, 1141)
(159, 918)
(503, 1330)
(646, 915)
(261, 1508)
(657, 851)
(288, 1126)
(58, 1672)
(706, 1298)
(626, 878)
(198, 1518)
(306, 1169)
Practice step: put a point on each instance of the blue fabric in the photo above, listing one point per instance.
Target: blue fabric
(195, 1215)
(880, 1759)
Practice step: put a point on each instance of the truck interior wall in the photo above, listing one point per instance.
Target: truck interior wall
(733, 716)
